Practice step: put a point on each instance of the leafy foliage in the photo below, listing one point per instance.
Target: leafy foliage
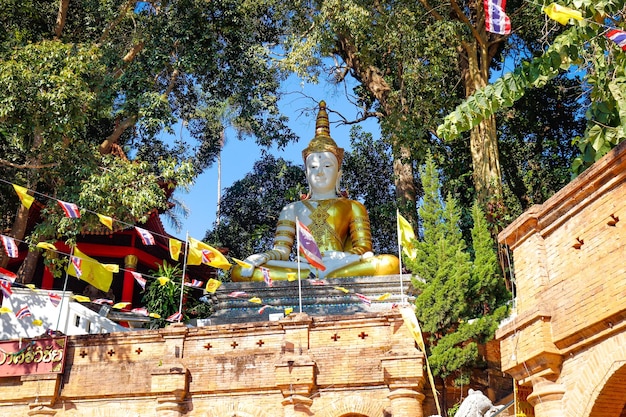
(579, 45)
(460, 300)
(164, 300)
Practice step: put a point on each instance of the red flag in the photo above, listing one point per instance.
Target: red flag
(175, 317)
(617, 36)
(78, 263)
(309, 248)
(194, 283)
(266, 276)
(55, 299)
(23, 312)
(140, 280)
(70, 209)
(7, 275)
(5, 286)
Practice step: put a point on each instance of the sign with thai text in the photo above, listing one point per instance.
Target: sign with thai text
(32, 357)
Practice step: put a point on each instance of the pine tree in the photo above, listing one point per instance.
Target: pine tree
(461, 300)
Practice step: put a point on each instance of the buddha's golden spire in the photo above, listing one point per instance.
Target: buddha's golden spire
(322, 142)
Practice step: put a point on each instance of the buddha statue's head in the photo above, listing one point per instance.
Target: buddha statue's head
(322, 142)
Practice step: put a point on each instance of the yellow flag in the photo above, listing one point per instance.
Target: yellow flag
(31, 286)
(256, 300)
(175, 246)
(105, 220)
(25, 198)
(115, 268)
(46, 245)
(288, 311)
(212, 285)
(562, 14)
(384, 297)
(410, 320)
(154, 315)
(92, 272)
(163, 280)
(5, 310)
(81, 298)
(206, 254)
(407, 236)
(119, 306)
(342, 289)
(241, 263)
(37, 322)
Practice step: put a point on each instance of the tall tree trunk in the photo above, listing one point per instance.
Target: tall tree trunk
(483, 139)
(372, 79)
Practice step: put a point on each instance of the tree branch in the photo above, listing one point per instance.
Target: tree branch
(130, 56)
(27, 166)
(123, 10)
(61, 18)
(463, 18)
(431, 10)
(106, 146)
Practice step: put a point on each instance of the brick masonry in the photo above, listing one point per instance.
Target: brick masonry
(567, 336)
(363, 364)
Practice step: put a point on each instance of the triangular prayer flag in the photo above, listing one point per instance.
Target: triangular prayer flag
(288, 311)
(617, 36)
(105, 220)
(207, 254)
(4, 310)
(262, 309)
(154, 315)
(194, 283)
(70, 209)
(5, 287)
(175, 317)
(91, 271)
(46, 245)
(140, 310)
(342, 289)
(10, 247)
(496, 20)
(140, 280)
(77, 264)
(31, 287)
(266, 276)
(383, 297)
(236, 294)
(115, 268)
(241, 263)
(23, 312)
(562, 14)
(146, 237)
(55, 299)
(255, 300)
(407, 236)
(25, 198)
(102, 301)
(81, 298)
(308, 247)
(212, 285)
(121, 305)
(7, 275)
(175, 247)
(37, 322)
(363, 298)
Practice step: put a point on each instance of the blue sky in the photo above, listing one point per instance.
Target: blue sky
(238, 157)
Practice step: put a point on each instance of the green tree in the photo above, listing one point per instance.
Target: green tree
(251, 206)
(579, 46)
(460, 301)
(115, 76)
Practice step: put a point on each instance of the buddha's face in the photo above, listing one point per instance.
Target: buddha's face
(322, 172)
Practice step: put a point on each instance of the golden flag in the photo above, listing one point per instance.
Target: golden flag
(256, 300)
(407, 236)
(5, 310)
(212, 285)
(93, 272)
(342, 289)
(121, 305)
(46, 245)
(106, 220)
(207, 254)
(81, 298)
(154, 315)
(37, 322)
(288, 311)
(562, 14)
(241, 263)
(410, 319)
(31, 286)
(25, 198)
(175, 247)
(115, 268)
(383, 297)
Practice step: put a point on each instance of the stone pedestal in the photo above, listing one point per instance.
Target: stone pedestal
(297, 406)
(41, 410)
(406, 403)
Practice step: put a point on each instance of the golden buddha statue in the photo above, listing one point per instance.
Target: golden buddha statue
(340, 226)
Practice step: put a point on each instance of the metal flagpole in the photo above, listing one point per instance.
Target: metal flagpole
(298, 256)
(182, 280)
(400, 255)
(64, 288)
